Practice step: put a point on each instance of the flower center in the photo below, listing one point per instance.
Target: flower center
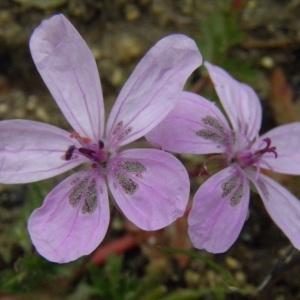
(94, 151)
(248, 158)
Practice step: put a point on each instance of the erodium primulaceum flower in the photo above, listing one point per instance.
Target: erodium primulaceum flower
(220, 205)
(150, 186)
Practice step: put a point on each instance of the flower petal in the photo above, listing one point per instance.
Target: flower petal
(32, 151)
(282, 206)
(69, 70)
(150, 186)
(153, 88)
(286, 139)
(73, 219)
(195, 125)
(239, 100)
(219, 211)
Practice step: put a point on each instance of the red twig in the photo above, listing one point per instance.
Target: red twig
(119, 246)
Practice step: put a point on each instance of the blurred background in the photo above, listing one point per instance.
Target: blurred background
(258, 42)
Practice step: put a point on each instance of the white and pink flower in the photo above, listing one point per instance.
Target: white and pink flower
(150, 187)
(220, 205)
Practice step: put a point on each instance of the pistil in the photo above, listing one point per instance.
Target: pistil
(247, 158)
(94, 151)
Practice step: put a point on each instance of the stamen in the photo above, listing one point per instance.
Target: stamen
(86, 151)
(69, 153)
(77, 136)
(74, 134)
(101, 144)
(91, 150)
(85, 139)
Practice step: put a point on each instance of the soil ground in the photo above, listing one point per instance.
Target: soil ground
(257, 41)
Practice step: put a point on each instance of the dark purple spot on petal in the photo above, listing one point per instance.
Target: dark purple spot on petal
(69, 152)
(77, 192)
(211, 135)
(229, 185)
(132, 166)
(213, 122)
(237, 196)
(117, 127)
(74, 181)
(124, 134)
(90, 201)
(128, 185)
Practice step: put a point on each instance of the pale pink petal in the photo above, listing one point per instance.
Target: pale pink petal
(195, 125)
(239, 100)
(73, 219)
(152, 90)
(150, 186)
(69, 70)
(286, 139)
(282, 206)
(32, 151)
(219, 211)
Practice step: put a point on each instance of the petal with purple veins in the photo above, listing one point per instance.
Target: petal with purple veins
(239, 101)
(286, 140)
(282, 206)
(150, 186)
(69, 70)
(195, 125)
(153, 89)
(32, 151)
(73, 219)
(219, 211)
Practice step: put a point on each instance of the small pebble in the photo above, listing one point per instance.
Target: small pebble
(19, 114)
(128, 47)
(240, 277)
(132, 13)
(232, 263)
(192, 278)
(267, 62)
(97, 53)
(32, 102)
(3, 108)
(117, 77)
(42, 115)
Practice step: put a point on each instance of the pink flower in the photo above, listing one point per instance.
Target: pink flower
(220, 205)
(151, 187)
